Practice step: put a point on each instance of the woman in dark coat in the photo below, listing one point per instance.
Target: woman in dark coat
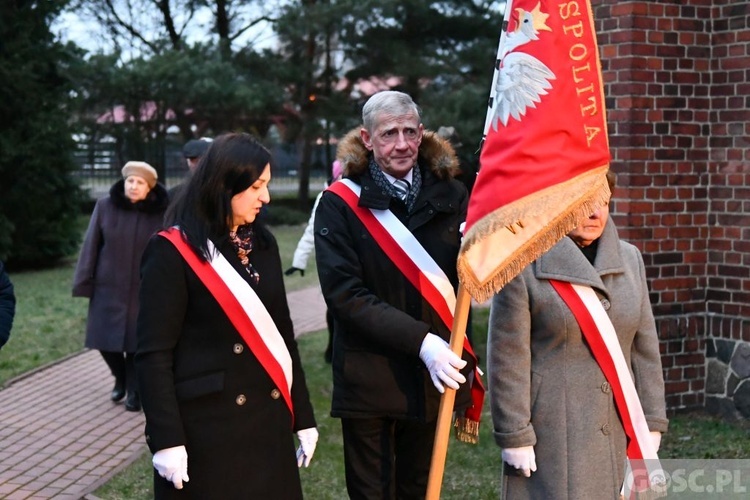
(219, 420)
(108, 270)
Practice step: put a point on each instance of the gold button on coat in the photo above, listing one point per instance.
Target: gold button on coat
(240, 400)
(605, 387)
(238, 348)
(605, 429)
(275, 394)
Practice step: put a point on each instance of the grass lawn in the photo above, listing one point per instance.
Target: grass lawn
(469, 468)
(471, 471)
(50, 323)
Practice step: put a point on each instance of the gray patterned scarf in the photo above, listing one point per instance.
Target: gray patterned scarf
(382, 182)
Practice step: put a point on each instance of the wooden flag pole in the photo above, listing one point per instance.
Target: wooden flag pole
(445, 413)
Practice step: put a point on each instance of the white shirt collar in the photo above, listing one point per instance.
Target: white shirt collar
(407, 177)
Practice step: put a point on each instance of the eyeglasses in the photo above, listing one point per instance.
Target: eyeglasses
(392, 135)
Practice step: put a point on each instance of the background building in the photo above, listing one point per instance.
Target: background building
(678, 95)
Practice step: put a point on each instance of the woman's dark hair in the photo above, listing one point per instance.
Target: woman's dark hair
(203, 210)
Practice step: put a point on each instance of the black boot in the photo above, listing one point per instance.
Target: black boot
(116, 363)
(118, 392)
(328, 354)
(133, 402)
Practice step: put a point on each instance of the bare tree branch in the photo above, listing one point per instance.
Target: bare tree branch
(174, 36)
(129, 28)
(252, 24)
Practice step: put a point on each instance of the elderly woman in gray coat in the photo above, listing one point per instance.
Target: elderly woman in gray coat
(552, 407)
(108, 270)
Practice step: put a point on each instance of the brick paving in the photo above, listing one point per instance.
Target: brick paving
(61, 437)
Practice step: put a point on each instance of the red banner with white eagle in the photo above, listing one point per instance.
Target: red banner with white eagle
(545, 151)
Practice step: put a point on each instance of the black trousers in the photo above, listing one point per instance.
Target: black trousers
(386, 458)
(329, 348)
(122, 366)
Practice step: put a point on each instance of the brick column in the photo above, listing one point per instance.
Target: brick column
(728, 263)
(676, 78)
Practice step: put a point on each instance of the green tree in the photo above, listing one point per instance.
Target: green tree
(442, 53)
(39, 200)
(154, 63)
(306, 82)
(309, 66)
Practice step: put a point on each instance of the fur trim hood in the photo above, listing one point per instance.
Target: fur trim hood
(435, 153)
(156, 200)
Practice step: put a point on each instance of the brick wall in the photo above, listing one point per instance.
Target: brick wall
(678, 98)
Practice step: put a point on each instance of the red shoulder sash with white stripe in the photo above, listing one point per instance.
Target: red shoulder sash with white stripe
(600, 334)
(410, 257)
(240, 303)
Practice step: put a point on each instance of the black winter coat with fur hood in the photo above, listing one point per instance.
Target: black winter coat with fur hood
(380, 319)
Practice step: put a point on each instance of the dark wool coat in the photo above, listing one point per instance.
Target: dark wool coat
(7, 305)
(545, 385)
(202, 387)
(380, 319)
(108, 265)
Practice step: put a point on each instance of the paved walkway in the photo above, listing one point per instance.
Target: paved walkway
(61, 438)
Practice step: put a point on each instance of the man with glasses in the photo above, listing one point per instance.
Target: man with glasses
(386, 243)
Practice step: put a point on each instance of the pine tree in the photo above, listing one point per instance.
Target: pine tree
(39, 200)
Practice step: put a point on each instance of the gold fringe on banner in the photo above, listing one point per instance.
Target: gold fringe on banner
(467, 430)
(498, 246)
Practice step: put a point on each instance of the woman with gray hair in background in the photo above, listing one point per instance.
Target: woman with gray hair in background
(108, 274)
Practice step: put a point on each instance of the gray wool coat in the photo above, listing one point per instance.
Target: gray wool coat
(108, 268)
(546, 388)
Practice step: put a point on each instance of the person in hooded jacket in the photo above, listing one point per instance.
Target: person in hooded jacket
(107, 272)
(391, 361)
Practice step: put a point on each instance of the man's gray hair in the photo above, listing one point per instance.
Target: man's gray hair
(389, 102)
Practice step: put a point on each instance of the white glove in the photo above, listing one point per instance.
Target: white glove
(521, 458)
(655, 439)
(171, 464)
(308, 439)
(442, 363)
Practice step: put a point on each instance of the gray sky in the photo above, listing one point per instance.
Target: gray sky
(87, 34)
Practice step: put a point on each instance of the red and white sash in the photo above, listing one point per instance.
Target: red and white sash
(244, 309)
(600, 334)
(404, 250)
(400, 245)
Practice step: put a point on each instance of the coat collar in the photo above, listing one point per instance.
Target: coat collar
(437, 162)
(566, 262)
(375, 197)
(435, 154)
(156, 200)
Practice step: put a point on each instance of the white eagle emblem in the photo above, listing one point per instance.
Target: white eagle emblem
(522, 79)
